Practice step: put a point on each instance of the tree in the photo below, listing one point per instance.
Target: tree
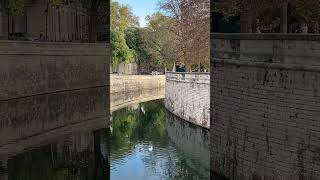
(248, 10)
(274, 13)
(306, 13)
(98, 10)
(14, 9)
(122, 17)
(133, 40)
(160, 41)
(120, 50)
(191, 26)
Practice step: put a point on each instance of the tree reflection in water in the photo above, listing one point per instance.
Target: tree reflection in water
(77, 157)
(142, 149)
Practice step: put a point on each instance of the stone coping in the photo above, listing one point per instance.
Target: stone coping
(199, 78)
(265, 36)
(53, 48)
(172, 72)
(53, 43)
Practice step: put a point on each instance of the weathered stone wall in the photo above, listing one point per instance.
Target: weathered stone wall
(129, 83)
(33, 68)
(36, 120)
(187, 96)
(265, 104)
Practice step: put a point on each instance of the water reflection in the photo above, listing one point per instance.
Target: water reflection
(124, 99)
(149, 143)
(55, 136)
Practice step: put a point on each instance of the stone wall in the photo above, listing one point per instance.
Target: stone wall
(33, 68)
(129, 83)
(187, 96)
(265, 104)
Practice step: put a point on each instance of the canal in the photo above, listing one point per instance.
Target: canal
(71, 138)
(148, 142)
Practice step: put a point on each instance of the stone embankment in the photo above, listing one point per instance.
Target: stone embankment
(265, 102)
(35, 68)
(187, 95)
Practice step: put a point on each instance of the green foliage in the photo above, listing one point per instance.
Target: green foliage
(123, 34)
(15, 8)
(120, 50)
(122, 17)
(133, 41)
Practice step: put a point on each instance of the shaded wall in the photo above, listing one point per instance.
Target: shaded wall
(37, 120)
(265, 105)
(187, 96)
(33, 68)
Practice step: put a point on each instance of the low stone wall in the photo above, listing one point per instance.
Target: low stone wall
(129, 83)
(33, 68)
(187, 96)
(265, 104)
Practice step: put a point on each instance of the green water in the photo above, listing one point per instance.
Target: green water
(147, 142)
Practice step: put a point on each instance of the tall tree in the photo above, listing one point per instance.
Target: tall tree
(191, 26)
(120, 50)
(160, 40)
(122, 19)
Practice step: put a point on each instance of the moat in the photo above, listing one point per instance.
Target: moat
(68, 136)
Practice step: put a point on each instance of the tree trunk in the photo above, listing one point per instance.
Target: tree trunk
(8, 26)
(174, 67)
(199, 70)
(47, 14)
(245, 22)
(59, 23)
(93, 23)
(13, 25)
(284, 18)
(316, 27)
(188, 68)
(304, 28)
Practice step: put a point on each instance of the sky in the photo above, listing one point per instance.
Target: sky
(141, 8)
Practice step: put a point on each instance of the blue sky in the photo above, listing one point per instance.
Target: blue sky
(141, 8)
